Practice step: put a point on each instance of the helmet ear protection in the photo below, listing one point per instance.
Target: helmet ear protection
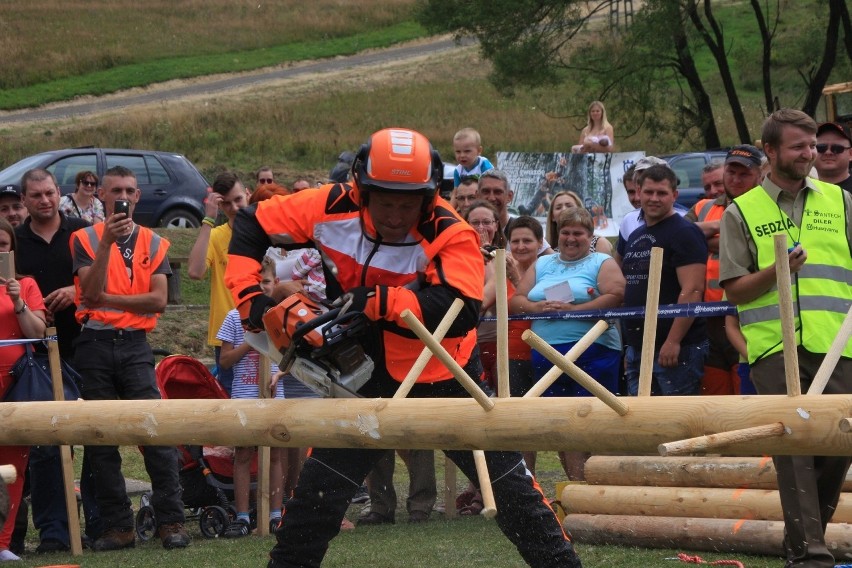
(388, 157)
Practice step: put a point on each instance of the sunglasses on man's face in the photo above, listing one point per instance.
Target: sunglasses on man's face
(835, 148)
(265, 180)
(89, 183)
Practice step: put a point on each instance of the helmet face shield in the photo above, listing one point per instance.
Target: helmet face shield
(398, 160)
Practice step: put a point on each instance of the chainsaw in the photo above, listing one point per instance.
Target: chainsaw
(319, 346)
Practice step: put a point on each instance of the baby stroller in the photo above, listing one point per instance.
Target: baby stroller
(206, 474)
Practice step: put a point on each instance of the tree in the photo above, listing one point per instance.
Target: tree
(535, 43)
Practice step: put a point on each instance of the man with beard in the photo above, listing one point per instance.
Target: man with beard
(739, 173)
(814, 217)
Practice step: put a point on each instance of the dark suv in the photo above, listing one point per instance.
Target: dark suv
(689, 168)
(173, 190)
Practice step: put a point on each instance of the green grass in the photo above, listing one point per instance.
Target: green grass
(161, 70)
(437, 544)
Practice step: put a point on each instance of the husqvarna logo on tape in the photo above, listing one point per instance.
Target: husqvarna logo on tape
(402, 142)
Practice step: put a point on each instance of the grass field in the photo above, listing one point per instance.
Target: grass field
(437, 544)
(298, 128)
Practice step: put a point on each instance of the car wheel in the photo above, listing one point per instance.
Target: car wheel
(179, 219)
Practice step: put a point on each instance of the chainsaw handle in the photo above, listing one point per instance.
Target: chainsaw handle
(307, 327)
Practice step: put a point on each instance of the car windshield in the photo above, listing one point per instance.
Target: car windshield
(15, 172)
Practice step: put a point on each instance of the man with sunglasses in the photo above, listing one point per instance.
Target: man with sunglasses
(834, 154)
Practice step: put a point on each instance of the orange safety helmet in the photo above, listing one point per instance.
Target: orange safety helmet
(398, 160)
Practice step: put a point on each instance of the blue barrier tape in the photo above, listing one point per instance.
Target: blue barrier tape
(9, 342)
(668, 311)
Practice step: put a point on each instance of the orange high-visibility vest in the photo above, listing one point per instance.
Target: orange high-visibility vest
(148, 254)
(707, 210)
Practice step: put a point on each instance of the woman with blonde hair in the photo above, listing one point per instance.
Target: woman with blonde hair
(566, 200)
(597, 136)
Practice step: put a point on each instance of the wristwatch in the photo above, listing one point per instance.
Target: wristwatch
(24, 306)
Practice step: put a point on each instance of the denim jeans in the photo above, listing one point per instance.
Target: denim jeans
(685, 379)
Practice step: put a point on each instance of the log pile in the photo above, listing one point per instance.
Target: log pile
(693, 503)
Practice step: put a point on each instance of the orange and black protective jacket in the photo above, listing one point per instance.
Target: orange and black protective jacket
(438, 262)
(148, 254)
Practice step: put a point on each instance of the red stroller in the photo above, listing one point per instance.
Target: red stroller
(206, 474)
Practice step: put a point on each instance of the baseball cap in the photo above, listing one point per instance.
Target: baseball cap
(647, 162)
(10, 190)
(834, 127)
(745, 154)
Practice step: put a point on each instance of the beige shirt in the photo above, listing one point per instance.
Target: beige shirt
(737, 250)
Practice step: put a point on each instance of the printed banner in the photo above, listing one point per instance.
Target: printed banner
(597, 178)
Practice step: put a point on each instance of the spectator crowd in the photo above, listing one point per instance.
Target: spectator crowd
(86, 268)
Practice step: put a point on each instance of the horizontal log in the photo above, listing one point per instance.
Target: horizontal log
(692, 471)
(579, 424)
(745, 472)
(703, 502)
(712, 535)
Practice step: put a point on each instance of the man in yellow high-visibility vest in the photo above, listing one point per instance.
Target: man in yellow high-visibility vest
(814, 216)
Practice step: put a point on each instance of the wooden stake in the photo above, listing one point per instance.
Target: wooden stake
(426, 354)
(575, 372)
(438, 350)
(785, 305)
(833, 356)
(649, 335)
(405, 387)
(263, 454)
(8, 474)
(489, 510)
(715, 441)
(572, 355)
(450, 478)
(502, 323)
(65, 450)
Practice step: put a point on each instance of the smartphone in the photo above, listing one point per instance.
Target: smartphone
(121, 206)
(7, 265)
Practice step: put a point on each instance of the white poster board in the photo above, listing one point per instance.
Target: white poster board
(597, 178)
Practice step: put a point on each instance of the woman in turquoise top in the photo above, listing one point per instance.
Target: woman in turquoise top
(573, 279)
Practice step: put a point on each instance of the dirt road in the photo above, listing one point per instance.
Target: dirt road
(223, 84)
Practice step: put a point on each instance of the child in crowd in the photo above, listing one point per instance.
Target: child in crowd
(245, 362)
(467, 146)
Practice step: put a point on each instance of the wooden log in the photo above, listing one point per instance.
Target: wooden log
(572, 355)
(66, 464)
(692, 471)
(572, 424)
(830, 360)
(785, 305)
(713, 535)
(721, 440)
(575, 372)
(649, 332)
(8, 474)
(438, 350)
(752, 473)
(752, 504)
(426, 354)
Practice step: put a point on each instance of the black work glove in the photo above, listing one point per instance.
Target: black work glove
(355, 300)
(259, 305)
